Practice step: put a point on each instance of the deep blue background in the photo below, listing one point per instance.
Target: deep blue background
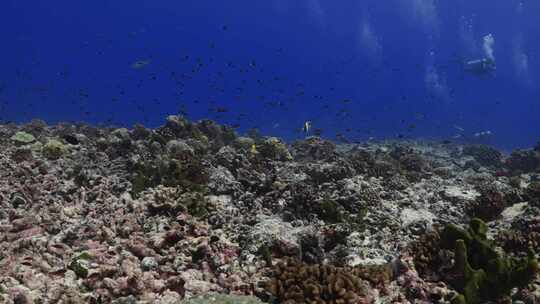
(359, 68)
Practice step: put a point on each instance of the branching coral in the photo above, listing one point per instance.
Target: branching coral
(295, 282)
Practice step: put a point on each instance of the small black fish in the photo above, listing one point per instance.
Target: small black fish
(70, 139)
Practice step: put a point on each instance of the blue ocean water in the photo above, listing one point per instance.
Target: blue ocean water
(355, 69)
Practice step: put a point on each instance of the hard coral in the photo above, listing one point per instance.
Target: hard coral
(532, 194)
(218, 134)
(314, 148)
(519, 241)
(53, 149)
(206, 133)
(306, 201)
(485, 155)
(193, 202)
(361, 160)
(523, 161)
(23, 138)
(412, 166)
(409, 160)
(489, 204)
(273, 148)
(328, 172)
(523, 235)
(383, 168)
(35, 127)
(296, 282)
(426, 253)
(481, 273)
(169, 172)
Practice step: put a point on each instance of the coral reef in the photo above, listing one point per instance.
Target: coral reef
(189, 211)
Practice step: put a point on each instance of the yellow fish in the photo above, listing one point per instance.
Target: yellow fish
(254, 149)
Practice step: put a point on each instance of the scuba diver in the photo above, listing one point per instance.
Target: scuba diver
(480, 66)
(486, 65)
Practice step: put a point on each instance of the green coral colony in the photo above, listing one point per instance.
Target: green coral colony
(481, 273)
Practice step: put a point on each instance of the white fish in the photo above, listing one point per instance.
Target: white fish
(306, 127)
(459, 128)
(483, 133)
(139, 64)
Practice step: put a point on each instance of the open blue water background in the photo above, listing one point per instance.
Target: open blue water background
(361, 69)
